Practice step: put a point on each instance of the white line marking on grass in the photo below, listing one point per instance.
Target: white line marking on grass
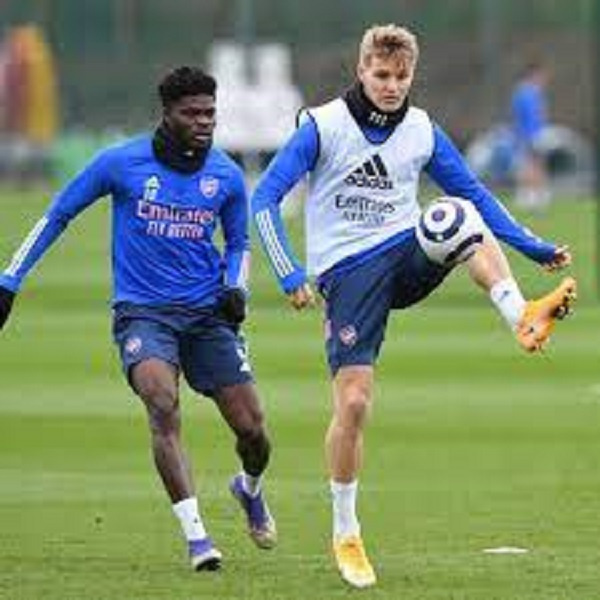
(506, 550)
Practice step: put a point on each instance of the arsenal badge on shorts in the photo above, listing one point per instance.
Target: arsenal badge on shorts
(348, 335)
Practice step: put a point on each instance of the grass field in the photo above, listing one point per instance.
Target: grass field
(471, 445)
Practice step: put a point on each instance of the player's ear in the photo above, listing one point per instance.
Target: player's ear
(167, 115)
(360, 70)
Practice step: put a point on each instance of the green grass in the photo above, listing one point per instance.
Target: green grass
(471, 445)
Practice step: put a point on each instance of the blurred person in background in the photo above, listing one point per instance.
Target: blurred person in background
(177, 302)
(364, 152)
(529, 117)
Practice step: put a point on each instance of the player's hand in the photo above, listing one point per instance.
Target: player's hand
(562, 258)
(232, 305)
(7, 298)
(302, 297)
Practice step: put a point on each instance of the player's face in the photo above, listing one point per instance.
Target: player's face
(386, 81)
(192, 120)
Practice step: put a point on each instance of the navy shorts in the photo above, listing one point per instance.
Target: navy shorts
(208, 350)
(358, 300)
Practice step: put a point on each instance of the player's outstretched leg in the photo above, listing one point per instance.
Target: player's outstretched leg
(204, 556)
(540, 316)
(261, 525)
(352, 561)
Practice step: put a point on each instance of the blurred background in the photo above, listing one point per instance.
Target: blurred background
(75, 74)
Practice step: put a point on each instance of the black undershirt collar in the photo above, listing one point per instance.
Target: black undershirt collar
(169, 151)
(367, 114)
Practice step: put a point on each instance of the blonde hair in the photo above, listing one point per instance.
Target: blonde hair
(388, 41)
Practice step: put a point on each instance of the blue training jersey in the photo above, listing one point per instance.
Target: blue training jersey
(163, 225)
(446, 167)
(529, 112)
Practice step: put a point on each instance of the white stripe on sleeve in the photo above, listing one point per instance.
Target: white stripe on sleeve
(242, 279)
(21, 254)
(281, 262)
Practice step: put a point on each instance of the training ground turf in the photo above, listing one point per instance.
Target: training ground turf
(472, 445)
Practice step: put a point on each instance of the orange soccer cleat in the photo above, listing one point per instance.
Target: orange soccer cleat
(540, 316)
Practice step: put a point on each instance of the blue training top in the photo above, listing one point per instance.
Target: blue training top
(163, 224)
(529, 112)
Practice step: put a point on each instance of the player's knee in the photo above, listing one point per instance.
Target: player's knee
(243, 411)
(253, 436)
(162, 404)
(252, 433)
(354, 405)
(154, 387)
(353, 393)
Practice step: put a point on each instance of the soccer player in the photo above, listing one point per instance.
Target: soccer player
(529, 112)
(178, 303)
(363, 153)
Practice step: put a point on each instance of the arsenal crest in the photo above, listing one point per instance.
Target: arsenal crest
(209, 186)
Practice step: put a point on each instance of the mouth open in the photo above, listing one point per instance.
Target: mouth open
(202, 137)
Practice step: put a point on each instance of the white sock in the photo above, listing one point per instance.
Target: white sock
(189, 517)
(509, 301)
(345, 521)
(251, 483)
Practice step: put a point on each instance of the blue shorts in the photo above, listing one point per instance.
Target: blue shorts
(208, 350)
(358, 300)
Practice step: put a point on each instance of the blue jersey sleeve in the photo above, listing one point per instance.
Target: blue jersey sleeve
(448, 169)
(92, 183)
(234, 221)
(296, 158)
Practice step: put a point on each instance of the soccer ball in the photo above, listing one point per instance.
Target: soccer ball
(450, 230)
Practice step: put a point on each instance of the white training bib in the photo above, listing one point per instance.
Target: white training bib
(362, 193)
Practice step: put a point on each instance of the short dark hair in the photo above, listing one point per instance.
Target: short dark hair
(185, 81)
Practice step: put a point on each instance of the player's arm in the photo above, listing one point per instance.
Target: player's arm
(296, 158)
(92, 183)
(234, 223)
(449, 170)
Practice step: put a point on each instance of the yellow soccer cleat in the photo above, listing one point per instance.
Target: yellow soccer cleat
(352, 562)
(540, 316)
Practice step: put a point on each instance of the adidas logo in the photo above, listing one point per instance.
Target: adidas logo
(371, 174)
